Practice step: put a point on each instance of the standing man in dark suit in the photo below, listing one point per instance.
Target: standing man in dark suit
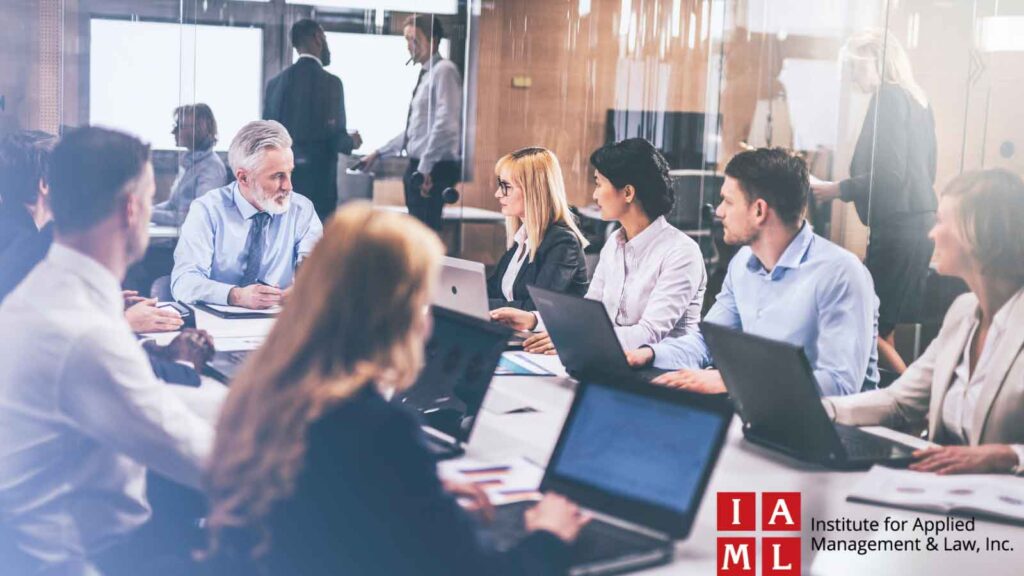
(310, 102)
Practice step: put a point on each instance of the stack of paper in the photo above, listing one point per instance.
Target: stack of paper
(998, 497)
(504, 482)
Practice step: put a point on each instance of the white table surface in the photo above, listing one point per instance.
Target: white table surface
(742, 467)
(163, 232)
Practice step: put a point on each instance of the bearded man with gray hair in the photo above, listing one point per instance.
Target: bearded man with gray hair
(240, 244)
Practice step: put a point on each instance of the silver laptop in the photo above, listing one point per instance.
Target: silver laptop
(463, 288)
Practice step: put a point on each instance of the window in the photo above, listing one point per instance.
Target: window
(378, 84)
(139, 72)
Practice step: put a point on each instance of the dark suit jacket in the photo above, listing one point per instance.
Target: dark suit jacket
(893, 167)
(559, 266)
(15, 225)
(368, 501)
(26, 250)
(310, 102)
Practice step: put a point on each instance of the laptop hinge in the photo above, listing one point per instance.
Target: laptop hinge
(440, 436)
(627, 525)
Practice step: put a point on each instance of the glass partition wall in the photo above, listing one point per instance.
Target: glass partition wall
(701, 79)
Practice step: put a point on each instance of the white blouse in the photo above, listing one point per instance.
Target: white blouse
(962, 397)
(516, 263)
(651, 286)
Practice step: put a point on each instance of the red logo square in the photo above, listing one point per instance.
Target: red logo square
(780, 557)
(780, 511)
(737, 557)
(737, 511)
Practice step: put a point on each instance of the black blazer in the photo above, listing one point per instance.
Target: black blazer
(559, 266)
(892, 172)
(16, 225)
(310, 102)
(26, 250)
(368, 501)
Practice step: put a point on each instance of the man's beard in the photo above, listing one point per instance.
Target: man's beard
(325, 56)
(267, 204)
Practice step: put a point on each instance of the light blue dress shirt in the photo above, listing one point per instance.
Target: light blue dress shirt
(819, 296)
(210, 257)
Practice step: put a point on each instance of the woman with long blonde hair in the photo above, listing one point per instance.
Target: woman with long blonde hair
(892, 174)
(545, 245)
(313, 471)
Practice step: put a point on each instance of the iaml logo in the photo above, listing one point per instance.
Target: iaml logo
(737, 555)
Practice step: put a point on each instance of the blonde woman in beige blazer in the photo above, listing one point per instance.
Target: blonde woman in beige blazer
(968, 386)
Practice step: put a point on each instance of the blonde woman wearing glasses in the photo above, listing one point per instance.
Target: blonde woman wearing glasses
(545, 245)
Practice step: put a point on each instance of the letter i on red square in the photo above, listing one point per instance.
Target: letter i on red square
(780, 557)
(780, 511)
(737, 557)
(737, 511)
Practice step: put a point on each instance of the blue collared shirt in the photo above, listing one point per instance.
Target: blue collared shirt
(819, 296)
(210, 257)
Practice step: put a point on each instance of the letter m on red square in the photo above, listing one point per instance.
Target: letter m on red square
(780, 557)
(780, 511)
(737, 511)
(737, 557)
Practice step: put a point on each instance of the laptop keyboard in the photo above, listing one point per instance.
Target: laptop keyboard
(861, 445)
(598, 541)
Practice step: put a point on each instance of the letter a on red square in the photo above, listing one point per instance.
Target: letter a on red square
(780, 511)
(737, 557)
(737, 511)
(780, 557)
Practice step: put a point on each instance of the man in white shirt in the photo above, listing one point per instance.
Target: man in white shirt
(433, 127)
(83, 415)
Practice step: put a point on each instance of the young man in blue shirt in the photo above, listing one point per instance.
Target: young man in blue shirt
(785, 283)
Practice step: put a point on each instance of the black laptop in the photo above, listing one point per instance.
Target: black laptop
(776, 395)
(461, 356)
(638, 457)
(584, 336)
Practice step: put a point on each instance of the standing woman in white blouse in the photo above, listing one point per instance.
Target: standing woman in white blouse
(968, 386)
(650, 276)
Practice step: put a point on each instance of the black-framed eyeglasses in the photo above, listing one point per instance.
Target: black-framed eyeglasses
(504, 188)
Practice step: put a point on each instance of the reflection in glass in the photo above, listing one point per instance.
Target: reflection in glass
(141, 71)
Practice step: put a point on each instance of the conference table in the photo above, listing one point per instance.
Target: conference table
(522, 416)
(505, 432)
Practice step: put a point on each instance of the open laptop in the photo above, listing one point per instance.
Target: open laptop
(461, 357)
(638, 458)
(464, 289)
(776, 395)
(225, 364)
(584, 336)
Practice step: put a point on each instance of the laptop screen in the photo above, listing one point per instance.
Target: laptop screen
(637, 444)
(460, 359)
